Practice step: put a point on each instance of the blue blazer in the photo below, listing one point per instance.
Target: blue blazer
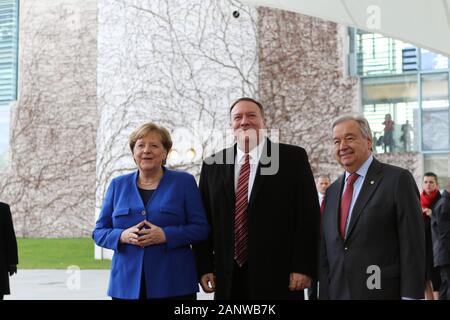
(169, 268)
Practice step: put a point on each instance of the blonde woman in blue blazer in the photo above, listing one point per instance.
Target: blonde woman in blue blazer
(150, 218)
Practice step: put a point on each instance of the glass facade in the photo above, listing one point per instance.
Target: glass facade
(405, 97)
(435, 111)
(9, 10)
(391, 106)
(377, 55)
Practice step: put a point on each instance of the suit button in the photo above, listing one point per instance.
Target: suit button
(346, 249)
(143, 212)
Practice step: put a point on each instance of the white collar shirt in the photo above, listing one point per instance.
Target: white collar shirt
(254, 155)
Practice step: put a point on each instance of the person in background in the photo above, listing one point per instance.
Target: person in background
(322, 184)
(8, 249)
(428, 199)
(406, 136)
(440, 227)
(150, 218)
(388, 133)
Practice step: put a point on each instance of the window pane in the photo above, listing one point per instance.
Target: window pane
(4, 134)
(435, 126)
(377, 54)
(8, 70)
(397, 97)
(438, 164)
(432, 61)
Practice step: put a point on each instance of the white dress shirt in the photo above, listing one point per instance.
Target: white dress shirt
(362, 172)
(321, 196)
(254, 155)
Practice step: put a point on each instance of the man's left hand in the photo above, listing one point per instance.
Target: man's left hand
(299, 281)
(12, 269)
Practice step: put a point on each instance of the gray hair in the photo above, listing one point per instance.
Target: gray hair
(362, 121)
(325, 176)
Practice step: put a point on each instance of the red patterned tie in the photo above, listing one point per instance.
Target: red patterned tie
(346, 202)
(322, 206)
(240, 217)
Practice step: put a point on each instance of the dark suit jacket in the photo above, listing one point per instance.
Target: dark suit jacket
(429, 270)
(440, 227)
(386, 230)
(8, 247)
(283, 222)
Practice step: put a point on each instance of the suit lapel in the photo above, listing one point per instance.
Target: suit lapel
(264, 161)
(334, 202)
(135, 191)
(228, 175)
(370, 184)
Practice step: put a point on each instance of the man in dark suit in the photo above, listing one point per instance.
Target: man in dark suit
(262, 205)
(440, 228)
(8, 249)
(322, 184)
(373, 244)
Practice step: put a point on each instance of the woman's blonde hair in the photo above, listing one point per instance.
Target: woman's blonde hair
(147, 128)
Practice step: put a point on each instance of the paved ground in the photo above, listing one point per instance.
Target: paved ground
(64, 285)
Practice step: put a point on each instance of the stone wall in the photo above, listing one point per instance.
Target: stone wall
(302, 81)
(50, 183)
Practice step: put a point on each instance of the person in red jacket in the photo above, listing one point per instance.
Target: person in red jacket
(428, 198)
(388, 133)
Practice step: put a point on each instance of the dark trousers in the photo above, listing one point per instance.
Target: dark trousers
(143, 294)
(240, 287)
(436, 278)
(312, 291)
(444, 290)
